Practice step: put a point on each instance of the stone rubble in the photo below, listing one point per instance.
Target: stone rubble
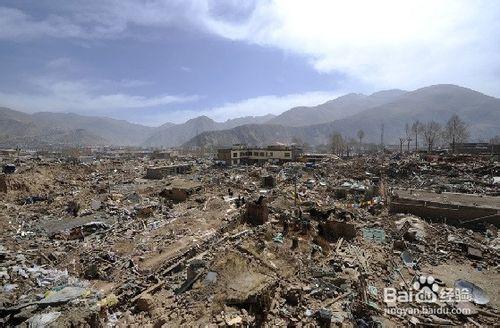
(98, 245)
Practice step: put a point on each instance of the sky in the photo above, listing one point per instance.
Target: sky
(158, 61)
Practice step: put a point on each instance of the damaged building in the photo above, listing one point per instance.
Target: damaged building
(179, 190)
(452, 208)
(241, 154)
(160, 172)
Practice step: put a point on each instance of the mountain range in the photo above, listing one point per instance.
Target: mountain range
(396, 109)
(346, 114)
(174, 135)
(335, 109)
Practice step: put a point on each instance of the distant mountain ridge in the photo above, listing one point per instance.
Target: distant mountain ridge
(438, 103)
(67, 129)
(335, 109)
(346, 114)
(175, 135)
(61, 129)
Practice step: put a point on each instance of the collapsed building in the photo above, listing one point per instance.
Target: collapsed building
(160, 155)
(477, 148)
(265, 244)
(257, 212)
(160, 172)
(180, 190)
(452, 208)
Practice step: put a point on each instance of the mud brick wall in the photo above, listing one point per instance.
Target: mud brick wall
(453, 214)
(257, 213)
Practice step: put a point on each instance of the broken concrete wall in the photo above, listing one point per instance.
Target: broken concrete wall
(176, 194)
(333, 230)
(180, 190)
(453, 214)
(154, 173)
(161, 172)
(160, 155)
(257, 211)
(268, 181)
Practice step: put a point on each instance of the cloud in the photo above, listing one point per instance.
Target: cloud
(384, 43)
(16, 25)
(84, 96)
(97, 19)
(378, 44)
(66, 69)
(61, 63)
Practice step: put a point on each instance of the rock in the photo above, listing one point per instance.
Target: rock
(211, 278)
(474, 253)
(145, 303)
(95, 204)
(9, 288)
(91, 272)
(160, 322)
(414, 320)
(63, 296)
(73, 208)
(234, 321)
(43, 320)
(26, 313)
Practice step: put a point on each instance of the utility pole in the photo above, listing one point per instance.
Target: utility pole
(382, 135)
(295, 186)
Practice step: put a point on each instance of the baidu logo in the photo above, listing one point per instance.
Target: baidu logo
(427, 289)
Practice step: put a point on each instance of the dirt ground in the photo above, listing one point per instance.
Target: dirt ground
(320, 257)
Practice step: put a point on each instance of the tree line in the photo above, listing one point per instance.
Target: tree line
(430, 133)
(433, 133)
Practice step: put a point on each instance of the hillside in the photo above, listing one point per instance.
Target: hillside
(439, 102)
(116, 132)
(59, 129)
(45, 128)
(176, 135)
(346, 114)
(263, 134)
(335, 109)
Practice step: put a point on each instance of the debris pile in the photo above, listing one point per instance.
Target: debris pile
(99, 244)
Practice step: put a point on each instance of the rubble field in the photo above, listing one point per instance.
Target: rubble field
(369, 241)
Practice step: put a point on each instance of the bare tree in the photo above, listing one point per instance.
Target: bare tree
(349, 144)
(416, 129)
(456, 131)
(361, 135)
(432, 131)
(408, 137)
(401, 142)
(382, 127)
(337, 144)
